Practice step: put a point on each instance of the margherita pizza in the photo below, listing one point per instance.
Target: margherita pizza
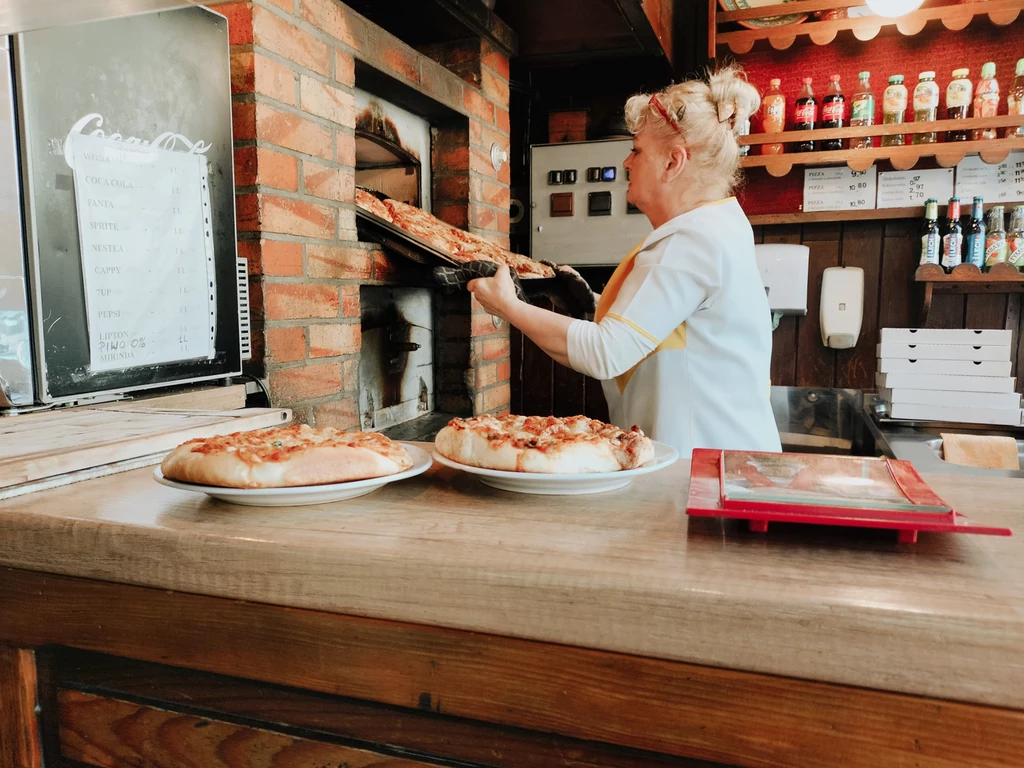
(543, 444)
(285, 457)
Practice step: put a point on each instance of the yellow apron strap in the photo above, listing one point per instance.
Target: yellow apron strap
(675, 340)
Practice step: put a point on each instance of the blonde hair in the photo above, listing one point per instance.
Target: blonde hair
(707, 115)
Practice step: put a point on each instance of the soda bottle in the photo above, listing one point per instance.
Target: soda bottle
(986, 99)
(953, 240)
(863, 112)
(1015, 239)
(995, 238)
(926, 106)
(833, 112)
(930, 233)
(894, 105)
(974, 253)
(958, 101)
(773, 118)
(1015, 101)
(805, 116)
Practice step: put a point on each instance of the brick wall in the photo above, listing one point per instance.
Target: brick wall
(293, 67)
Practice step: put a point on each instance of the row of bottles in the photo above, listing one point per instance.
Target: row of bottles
(987, 242)
(960, 94)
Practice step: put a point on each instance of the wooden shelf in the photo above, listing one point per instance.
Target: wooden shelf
(869, 214)
(965, 279)
(946, 154)
(953, 17)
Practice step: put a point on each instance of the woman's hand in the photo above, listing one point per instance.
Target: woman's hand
(496, 294)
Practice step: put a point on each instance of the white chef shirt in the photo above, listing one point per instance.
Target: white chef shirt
(683, 336)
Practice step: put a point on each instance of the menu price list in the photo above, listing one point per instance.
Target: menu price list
(904, 189)
(147, 253)
(997, 183)
(839, 189)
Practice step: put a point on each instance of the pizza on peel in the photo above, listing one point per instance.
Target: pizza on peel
(284, 457)
(543, 444)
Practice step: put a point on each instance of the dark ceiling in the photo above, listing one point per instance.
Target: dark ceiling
(552, 33)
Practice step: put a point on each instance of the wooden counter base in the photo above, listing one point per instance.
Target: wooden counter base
(416, 695)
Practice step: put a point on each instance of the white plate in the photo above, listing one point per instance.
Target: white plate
(303, 494)
(767, 21)
(564, 485)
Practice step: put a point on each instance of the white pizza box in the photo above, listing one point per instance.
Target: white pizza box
(945, 367)
(1001, 400)
(944, 383)
(941, 351)
(985, 338)
(1010, 416)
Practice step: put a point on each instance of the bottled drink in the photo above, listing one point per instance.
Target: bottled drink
(995, 238)
(833, 112)
(1015, 101)
(926, 106)
(773, 118)
(974, 253)
(894, 105)
(958, 101)
(1015, 239)
(953, 240)
(986, 99)
(930, 233)
(863, 112)
(805, 116)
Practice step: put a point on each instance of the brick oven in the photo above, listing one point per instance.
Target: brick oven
(345, 332)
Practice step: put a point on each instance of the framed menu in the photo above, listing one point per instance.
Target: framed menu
(129, 202)
(147, 253)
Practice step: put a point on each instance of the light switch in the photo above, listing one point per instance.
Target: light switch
(599, 204)
(562, 204)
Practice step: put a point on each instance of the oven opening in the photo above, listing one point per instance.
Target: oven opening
(392, 151)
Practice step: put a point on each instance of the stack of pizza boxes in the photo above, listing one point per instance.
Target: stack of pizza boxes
(953, 376)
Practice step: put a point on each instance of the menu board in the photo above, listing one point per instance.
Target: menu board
(997, 183)
(147, 253)
(906, 189)
(839, 189)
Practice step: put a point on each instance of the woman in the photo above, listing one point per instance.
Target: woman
(682, 333)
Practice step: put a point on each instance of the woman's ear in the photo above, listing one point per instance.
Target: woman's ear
(675, 161)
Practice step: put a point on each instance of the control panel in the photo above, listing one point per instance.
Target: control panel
(579, 211)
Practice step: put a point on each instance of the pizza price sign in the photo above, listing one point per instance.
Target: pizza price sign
(839, 189)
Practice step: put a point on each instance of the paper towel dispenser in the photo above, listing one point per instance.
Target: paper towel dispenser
(783, 271)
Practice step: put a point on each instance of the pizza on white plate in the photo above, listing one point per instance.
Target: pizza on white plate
(543, 444)
(285, 457)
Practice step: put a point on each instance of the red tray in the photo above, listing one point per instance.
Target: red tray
(706, 499)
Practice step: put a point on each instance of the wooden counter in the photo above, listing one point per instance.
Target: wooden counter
(757, 637)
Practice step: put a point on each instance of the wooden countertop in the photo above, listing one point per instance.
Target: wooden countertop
(625, 571)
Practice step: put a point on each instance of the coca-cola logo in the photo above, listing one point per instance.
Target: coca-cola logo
(92, 125)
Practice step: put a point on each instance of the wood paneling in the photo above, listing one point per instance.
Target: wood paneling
(424, 732)
(675, 708)
(109, 733)
(888, 252)
(20, 739)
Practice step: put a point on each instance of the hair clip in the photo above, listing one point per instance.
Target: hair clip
(664, 113)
